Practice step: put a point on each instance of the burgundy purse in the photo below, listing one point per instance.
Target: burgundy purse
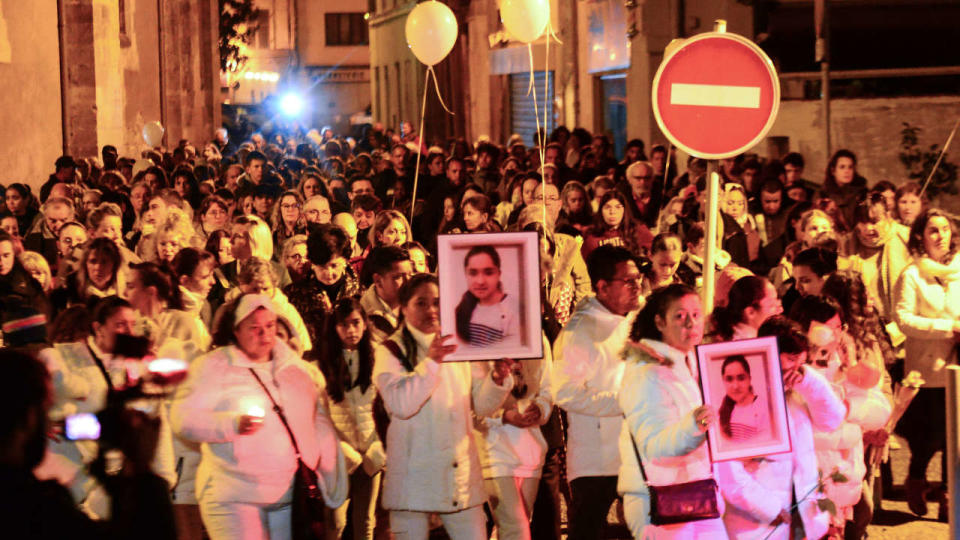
(680, 503)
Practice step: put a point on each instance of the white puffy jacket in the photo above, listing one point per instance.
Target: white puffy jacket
(587, 373)
(433, 464)
(841, 449)
(658, 400)
(257, 467)
(757, 490)
(509, 450)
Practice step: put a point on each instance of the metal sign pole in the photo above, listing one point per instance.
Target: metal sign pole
(953, 445)
(710, 253)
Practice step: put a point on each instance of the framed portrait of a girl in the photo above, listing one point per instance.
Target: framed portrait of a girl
(742, 380)
(490, 295)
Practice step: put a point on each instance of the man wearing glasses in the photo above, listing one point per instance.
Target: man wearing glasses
(643, 193)
(588, 369)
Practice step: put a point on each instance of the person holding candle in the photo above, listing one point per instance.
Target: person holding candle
(244, 482)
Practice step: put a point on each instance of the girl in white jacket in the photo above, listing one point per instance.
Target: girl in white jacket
(761, 492)
(515, 448)
(853, 367)
(245, 480)
(347, 365)
(432, 461)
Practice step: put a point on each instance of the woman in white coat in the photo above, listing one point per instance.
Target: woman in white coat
(433, 465)
(664, 410)
(245, 479)
(761, 493)
(928, 311)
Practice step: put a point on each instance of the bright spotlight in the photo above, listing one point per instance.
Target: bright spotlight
(291, 105)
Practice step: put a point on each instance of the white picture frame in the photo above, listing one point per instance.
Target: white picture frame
(507, 326)
(750, 427)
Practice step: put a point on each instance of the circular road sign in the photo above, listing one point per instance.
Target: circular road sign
(716, 95)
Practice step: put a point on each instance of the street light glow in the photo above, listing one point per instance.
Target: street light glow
(291, 104)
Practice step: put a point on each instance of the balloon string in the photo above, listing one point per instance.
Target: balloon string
(543, 145)
(530, 86)
(551, 33)
(416, 169)
(436, 85)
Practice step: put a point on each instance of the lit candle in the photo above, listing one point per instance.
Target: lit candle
(255, 411)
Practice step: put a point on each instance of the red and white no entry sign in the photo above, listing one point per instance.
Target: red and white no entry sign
(716, 95)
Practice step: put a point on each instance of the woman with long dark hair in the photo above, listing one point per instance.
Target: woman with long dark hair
(928, 309)
(614, 225)
(751, 301)
(433, 465)
(347, 365)
(666, 420)
(864, 349)
(21, 204)
(742, 416)
(486, 314)
(843, 185)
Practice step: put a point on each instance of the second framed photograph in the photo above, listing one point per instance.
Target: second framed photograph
(742, 380)
(490, 295)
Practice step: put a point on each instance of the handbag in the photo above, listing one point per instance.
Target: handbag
(680, 503)
(308, 506)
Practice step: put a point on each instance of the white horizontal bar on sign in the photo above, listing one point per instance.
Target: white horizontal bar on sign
(715, 95)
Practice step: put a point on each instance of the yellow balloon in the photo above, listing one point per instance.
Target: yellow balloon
(153, 133)
(525, 19)
(431, 31)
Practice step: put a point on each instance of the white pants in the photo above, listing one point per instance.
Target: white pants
(469, 524)
(511, 500)
(246, 521)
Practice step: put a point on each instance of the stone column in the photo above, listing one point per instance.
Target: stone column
(79, 84)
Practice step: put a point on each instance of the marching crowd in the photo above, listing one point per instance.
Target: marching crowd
(285, 271)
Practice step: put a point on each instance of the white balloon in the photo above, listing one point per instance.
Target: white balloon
(153, 133)
(525, 19)
(431, 31)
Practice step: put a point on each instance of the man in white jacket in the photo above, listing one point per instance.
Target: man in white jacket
(588, 371)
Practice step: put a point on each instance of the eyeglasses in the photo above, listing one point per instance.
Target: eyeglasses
(633, 282)
(293, 206)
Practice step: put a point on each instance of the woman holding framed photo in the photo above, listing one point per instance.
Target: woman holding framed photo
(663, 442)
(433, 464)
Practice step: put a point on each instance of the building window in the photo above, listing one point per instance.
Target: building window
(261, 38)
(346, 29)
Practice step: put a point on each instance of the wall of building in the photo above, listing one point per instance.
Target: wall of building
(875, 142)
(29, 91)
(396, 73)
(337, 78)
(112, 78)
(140, 63)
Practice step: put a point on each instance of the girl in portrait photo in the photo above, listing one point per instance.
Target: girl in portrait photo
(486, 314)
(742, 415)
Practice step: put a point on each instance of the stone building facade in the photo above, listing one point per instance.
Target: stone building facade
(76, 75)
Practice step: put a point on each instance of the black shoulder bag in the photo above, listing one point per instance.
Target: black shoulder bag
(308, 504)
(680, 503)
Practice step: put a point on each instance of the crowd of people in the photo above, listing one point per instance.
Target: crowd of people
(297, 277)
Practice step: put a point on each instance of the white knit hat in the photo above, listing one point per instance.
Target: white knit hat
(248, 304)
